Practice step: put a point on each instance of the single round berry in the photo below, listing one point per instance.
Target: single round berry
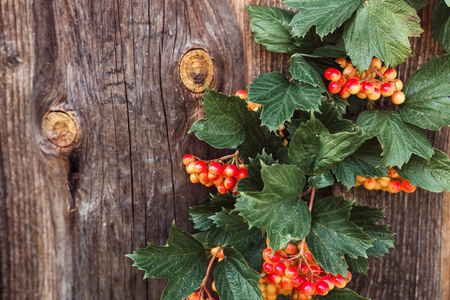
(231, 170)
(394, 187)
(291, 248)
(307, 288)
(188, 158)
(190, 168)
(398, 98)
(230, 182)
(322, 288)
(308, 255)
(329, 280)
(375, 95)
(344, 93)
(194, 178)
(376, 63)
(222, 189)
(382, 70)
(297, 281)
(353, 86)
(242, 94)
(279, 268)
(361, 95)
(332, 74)
(203, 176)
(291, 272)
(267, 256)
(367, 88)
(408, 187)
(268, 267)
(274, 278)
(200, 166)
(387, 89)
(398, 84)
(242, 173)
(341, 61)
(334, 87)
(213, 177)
(369, 183)
(193, 296)
(340, 281)
(390, 74)
(348, 70)
(215, 168)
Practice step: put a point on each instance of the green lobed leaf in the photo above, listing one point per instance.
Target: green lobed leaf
(381, 29)
(447, 2)
(200, 214)
(282, 297)
(239, 235)
(254, 253)
(433, 175)
(399, 140)
(321, 180)
(280, 97)
(283, 185)
(254, 182)
(364, 162)
(333, 235)
(182, 260)
(334, 51)
(234, 278)
(327, 15)
(365, 217)
(270, 28)
(440, 24)
(359, 264)
(229, 124)
(427, 92)
(416, 4)
(314, 150)
(338, 294)
(302, 71)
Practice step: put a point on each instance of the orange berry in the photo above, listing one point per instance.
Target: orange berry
(393, 173)
(360, 179)
(408, 187)
(398, 84)
(375, 95)
(394, 187)
(341, 61)
(398, 98)
(390, 74)
(369, 183)
(376, 63)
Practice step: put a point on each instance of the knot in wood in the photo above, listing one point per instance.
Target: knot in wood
(59, 128)
(196, 70)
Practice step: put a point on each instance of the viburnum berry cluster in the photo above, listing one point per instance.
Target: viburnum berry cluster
(244, 95)
(392, 184)
(293, 271)
(373, 83)
(224, 176)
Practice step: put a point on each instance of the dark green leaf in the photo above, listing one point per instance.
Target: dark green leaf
(301, 70)
(344, 294)
(381, 29)
(282, 297)
(359, 264)
(327, 15)
(280, 97)
(433, 175)
(270, 27)
(364, 162)
(254, 253)
(399, 140)
(182, 260)
(283, 185)
(427, 94)
(366, 217)
(321, 180)
(315, 150)
(440, 24)
(254, 181)
(417, 4)
(200, 214)
(333, 235)
(234, 278)
(334, 51)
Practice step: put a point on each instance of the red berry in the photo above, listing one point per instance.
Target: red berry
(268, 267)
(188, 158)
(332, 74)
(334, 87)
(297, 281)
(203, 176)
(307, 288)
(291, 272)
(322, 288)
(315, 269)
(222, 189)
(190, 168)
(390, 74)
(242, 94)
(212, 176)
(340, 281)
(231, 170)
(230, 182)
(394, 187)
(291, 248)
(193, 296)
(352, 85)
(224, 166)
(408, 187)
(367, 88)
(215, 168)
(279, 268)
(329, 280)
(308, 255)
(274, 278)
(200, 166)
(375, 95)
(242, 174)
(387, 89)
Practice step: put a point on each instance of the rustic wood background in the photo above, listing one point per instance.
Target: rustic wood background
(69, 214)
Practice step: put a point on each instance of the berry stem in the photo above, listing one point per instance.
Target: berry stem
(306, 192)
(378, 73)
(234, 155)
(211, 262)
(302, 247)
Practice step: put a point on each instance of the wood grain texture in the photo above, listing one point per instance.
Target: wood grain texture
(67, 221)
(419, 268)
